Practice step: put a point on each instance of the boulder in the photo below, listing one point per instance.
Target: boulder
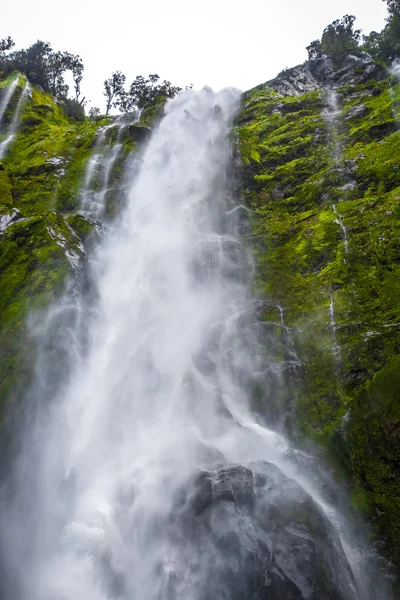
(254, 533)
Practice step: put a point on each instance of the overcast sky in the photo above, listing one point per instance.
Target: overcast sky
(219, 43)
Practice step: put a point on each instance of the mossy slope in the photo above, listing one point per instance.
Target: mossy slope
(42, 234)
(324, 190)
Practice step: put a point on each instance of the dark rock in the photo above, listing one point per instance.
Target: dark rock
(255, 534)
(139, 133)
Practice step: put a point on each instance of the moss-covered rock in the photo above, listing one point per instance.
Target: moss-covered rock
(320, 171)
(43, 236)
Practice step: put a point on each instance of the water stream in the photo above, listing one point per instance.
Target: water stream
(100, 167)
(6, 98)
(333, 119)
(13, 126)
(143, 473)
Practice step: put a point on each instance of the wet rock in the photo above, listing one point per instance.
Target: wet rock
(264, 537)
(139, 133)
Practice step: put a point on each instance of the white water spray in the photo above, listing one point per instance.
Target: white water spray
(160, 392)
(7, 95)
(100, 167)
(12, 129)
(333, 119)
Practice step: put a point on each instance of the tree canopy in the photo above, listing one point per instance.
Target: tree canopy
(43, 66)
(142, 91)
(340, 37)
(337, 39)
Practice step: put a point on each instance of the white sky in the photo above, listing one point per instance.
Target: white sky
(205, 42)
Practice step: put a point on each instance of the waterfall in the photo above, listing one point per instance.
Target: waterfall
(100, 166)
(332, 117)
(143, 473)
(7, 95)
(12, 128)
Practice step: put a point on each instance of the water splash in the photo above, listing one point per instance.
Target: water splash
(158, 391)
(13, 127)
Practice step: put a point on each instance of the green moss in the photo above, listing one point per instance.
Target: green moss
(34, 267)
(5, 187)
(345, 395)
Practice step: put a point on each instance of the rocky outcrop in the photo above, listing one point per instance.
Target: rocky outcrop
(253, 533)
(357, 68)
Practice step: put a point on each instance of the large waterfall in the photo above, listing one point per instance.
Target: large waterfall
(143, 473)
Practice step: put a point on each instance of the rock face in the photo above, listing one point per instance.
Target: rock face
(320, 174)
(314, 75)
(254, 534)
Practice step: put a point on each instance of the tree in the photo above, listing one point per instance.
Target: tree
(43, 66)
(5, 45)
(94, 112)
(393, 7)
(314, 50)
(385, 46)
(340, 37)
(114, 89)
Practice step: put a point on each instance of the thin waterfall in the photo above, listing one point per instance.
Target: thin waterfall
(395, 71)
(13, 127)
(143, 473)
(333, 120)
(6, 98)
(100, 167)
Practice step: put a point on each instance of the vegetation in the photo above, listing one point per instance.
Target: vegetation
(142, 91)
(385, 46)
(304, 177)
(43, 66)
(340, 37)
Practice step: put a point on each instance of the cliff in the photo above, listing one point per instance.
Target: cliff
(317, 172)
(320, 174)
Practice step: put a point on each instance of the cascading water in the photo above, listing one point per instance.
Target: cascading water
(143, 475)
(6, 98)
(100, 167)
(12, 128)
(395, 71)
(332, 117)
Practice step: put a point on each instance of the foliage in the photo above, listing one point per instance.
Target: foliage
(385, 46)
(114, 89)
(94, 112)
(339, 37)
(5, 45)
(73, 108)
(314, 50)
(344, 391)
(393, 6)
(142, 91)
(43, 66)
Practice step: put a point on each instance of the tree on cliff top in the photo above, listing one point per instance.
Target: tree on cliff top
(42, 66)
(114, 89)
(337, 40)
(385, 46)
(393, 6)
(141, 92)
(340, 37)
